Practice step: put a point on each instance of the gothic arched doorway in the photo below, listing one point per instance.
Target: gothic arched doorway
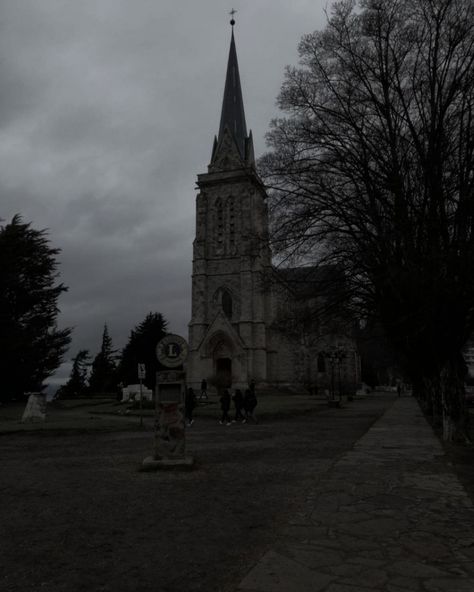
(224, 372)
(222, 356)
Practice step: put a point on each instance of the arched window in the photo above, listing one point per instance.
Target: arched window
(231, 224)
(321, 363)
(219, 224)
(227, 304)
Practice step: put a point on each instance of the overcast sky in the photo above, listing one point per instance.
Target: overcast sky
(108, 109)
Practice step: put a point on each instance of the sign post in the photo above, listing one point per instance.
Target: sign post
(170, 443)
(141, 377)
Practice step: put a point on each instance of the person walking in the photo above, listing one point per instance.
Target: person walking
(189, 404)
(239, 405)
(225, 406)
(250, 402)
(203, 394)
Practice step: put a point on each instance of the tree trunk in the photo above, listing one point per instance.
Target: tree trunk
(442, 396)
(455, 413)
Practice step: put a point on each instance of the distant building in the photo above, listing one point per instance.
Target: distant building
(251, 321)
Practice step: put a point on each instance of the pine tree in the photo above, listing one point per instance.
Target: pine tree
(103, 377)
(141, 348)
(31, 345)
(76, 386)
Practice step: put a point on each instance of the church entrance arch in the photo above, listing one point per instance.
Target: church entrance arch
(224, 372)
(222, 356)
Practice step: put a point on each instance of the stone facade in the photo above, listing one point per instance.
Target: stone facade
(245, 315)
(230, 307)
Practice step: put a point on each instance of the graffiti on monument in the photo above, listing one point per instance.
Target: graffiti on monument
(170, 442)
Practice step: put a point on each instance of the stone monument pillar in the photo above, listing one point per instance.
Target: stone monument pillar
(170, 440)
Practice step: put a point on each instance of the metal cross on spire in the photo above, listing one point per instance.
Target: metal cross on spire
(232, 21)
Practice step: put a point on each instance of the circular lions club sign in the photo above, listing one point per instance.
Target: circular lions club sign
(172, 351)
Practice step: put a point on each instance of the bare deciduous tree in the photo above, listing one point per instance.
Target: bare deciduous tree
(372, 169)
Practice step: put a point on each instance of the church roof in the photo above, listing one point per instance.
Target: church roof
(311, 281)
(232, 114)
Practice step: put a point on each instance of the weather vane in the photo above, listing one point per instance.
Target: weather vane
(232, 21)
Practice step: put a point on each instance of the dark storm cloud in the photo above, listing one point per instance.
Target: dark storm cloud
(108, 109)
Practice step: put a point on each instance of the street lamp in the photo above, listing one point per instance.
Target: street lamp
(335, 356)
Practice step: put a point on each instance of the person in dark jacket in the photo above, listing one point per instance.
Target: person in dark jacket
(189, 404)
(225, 406)
(239, 405)
(250, 402)
(203, 394)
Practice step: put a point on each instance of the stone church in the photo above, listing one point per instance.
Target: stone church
(245, 312)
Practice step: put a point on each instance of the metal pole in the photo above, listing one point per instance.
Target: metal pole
(141, 404)
(339, 360)
(332, 379)
(157, 415)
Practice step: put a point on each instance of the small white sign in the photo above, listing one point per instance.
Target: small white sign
(141, 371)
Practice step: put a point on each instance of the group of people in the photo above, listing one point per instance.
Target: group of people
(244, 404)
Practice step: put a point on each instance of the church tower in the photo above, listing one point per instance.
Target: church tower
(231, 255)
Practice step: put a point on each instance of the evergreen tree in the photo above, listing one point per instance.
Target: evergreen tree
(76, 386)
(31, 345)
(103, 377)
(141, 348)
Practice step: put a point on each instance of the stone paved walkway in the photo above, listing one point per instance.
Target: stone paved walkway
(390, 515)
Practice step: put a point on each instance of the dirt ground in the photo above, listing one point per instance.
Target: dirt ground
(76, 513)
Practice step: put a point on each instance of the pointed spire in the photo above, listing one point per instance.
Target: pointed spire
(232, 115)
